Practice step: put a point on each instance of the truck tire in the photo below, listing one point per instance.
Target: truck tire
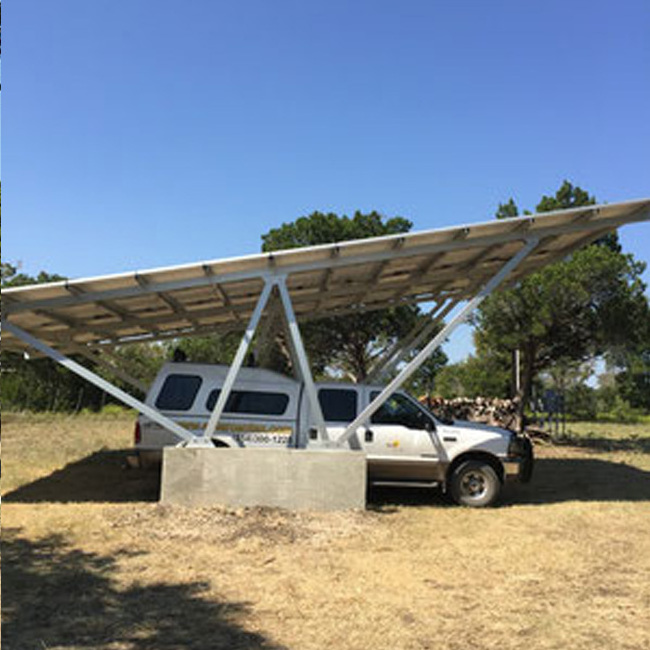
(474, 483)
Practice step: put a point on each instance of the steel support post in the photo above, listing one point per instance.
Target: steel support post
(98, 381)
(424, 354)
(237, 362)
(303, 362)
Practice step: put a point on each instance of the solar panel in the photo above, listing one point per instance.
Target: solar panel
(333, 279)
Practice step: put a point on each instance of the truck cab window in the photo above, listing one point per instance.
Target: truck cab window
(398, 409)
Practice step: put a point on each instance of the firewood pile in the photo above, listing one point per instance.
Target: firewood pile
(492, 411)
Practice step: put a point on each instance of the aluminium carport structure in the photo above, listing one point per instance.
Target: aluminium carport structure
(448, 268)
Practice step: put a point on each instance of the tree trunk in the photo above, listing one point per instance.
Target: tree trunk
(528, 375)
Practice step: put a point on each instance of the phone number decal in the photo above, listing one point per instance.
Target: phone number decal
(262, 438)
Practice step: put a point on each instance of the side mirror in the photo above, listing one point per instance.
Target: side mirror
(430, 425)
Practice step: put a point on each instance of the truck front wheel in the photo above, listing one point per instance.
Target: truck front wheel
(474, 483)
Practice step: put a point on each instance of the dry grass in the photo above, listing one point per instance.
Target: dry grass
(91, 561)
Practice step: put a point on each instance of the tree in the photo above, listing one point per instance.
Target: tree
(15, 279)
(482, 375)
(346, 345)
(423, 382)
(206, 349)
(633, 380)
(574, 309)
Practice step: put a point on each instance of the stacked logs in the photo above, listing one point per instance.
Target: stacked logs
(492, 411)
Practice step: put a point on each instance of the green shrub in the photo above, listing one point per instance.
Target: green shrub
(581, 402)
(621, 411)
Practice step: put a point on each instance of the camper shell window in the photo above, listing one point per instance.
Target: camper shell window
(178, 392)
(251, 402)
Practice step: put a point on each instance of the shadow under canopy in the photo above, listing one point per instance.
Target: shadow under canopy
(59, 596)
(102, 478)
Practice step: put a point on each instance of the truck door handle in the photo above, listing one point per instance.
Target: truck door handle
(369, 435)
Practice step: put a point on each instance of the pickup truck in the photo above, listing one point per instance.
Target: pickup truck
(404, 443)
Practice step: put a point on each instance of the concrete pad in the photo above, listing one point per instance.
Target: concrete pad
(296, 479)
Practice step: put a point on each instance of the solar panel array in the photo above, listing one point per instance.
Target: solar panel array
(215, 296)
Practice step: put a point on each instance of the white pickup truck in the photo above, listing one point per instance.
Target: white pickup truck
(404, 443)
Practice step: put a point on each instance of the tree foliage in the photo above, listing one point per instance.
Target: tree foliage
(633, 379)
(206, 349)
(326, 228)
(424, 382)
(477, 376)
(574, 309)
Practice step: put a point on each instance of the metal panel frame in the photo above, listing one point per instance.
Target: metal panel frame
(518, 229)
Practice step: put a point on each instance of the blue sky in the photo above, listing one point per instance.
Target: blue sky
(138, 133)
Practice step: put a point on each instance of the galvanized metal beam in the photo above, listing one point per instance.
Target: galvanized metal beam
(592, 237)
(424, 354)
(422, 322)
(219, 291)
(303, 362)
(402, 353)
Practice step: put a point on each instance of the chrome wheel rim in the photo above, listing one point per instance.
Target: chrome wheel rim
(474, 485)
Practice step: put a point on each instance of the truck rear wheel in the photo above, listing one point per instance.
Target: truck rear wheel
(474, 483)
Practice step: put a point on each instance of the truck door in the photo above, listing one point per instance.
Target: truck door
(401, 441)
(339, 404)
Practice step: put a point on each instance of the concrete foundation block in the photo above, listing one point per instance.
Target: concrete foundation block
(295, 479)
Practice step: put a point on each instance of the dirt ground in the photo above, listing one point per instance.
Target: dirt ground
(90, 560)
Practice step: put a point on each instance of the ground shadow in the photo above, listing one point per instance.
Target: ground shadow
(387, 499)
(101, 477)
(554, 481)
(639, 445)
(58, 596)
(558, 480)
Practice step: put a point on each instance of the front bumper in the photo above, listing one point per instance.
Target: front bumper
(519, 465)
